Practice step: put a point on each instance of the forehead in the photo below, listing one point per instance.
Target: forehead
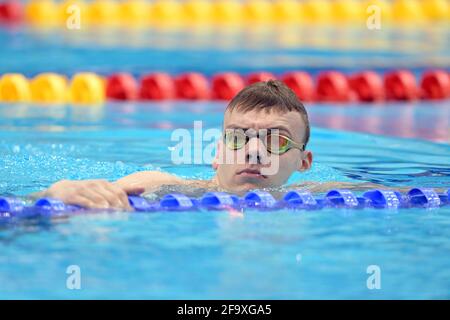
(256, 119)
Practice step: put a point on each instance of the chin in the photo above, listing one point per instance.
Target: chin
(244, 186)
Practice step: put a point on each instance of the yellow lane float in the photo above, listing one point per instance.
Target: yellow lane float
(103, 13)
(135, 13)
(48, 88)
(227, 11)
(14, 87)
(42, 13)
(87, 88)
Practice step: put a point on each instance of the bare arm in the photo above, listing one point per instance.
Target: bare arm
(104, 194)
(317, 187)
(149, 180)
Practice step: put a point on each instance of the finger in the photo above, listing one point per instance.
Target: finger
(95, 196)
(133, 190)
(81, 201)
(112, 198)
(119, 195)
(108, 194)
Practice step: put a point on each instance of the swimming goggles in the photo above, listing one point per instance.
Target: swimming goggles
(275, 143)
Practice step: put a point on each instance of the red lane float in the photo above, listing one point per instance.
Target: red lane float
(367, 86)
(226, 85)
(333, 86)
(401, 85)
(121, 86)
(192, 86)
(301, 83)
(157, 86)
(11, 12)
(330, 86)
(435, 85)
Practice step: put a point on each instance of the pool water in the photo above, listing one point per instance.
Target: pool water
(214, 255)
(211, 50)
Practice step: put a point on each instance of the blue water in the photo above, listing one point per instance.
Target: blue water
(214, 50)
(213, 255)
(323, 254)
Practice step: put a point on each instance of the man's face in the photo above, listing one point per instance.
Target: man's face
(252, 167)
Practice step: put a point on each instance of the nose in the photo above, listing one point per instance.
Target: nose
(256, 151)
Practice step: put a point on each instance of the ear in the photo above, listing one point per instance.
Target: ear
(306, 161)
(215, 162)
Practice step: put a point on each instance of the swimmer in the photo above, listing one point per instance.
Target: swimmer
(270, 108)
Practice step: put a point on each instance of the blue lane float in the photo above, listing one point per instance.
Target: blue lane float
(11, 208)
(178, 202)
(260, 200)
(219, 201)
(140, 204)
(299, 199)
(384, 199)
(342, 198)
(11, 205)
(424, 197)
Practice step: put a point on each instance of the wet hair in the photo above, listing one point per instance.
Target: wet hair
(272, 95)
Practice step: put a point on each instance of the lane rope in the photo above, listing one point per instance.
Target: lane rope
(426, 198)
(88, 88)
(141, 13)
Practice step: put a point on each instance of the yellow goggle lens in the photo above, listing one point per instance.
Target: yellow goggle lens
(274, 143)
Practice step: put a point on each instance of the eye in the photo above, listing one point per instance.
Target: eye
(277, 141)
(283, 142)
(234, 140)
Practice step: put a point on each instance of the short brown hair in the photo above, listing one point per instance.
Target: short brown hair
(270, 95)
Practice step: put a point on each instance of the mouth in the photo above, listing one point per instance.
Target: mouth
(251, 173)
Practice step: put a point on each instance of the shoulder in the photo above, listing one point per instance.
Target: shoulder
(320, 187)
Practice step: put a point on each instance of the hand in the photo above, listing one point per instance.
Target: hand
(92, 194)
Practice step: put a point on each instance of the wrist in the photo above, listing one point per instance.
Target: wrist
(39, 194)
